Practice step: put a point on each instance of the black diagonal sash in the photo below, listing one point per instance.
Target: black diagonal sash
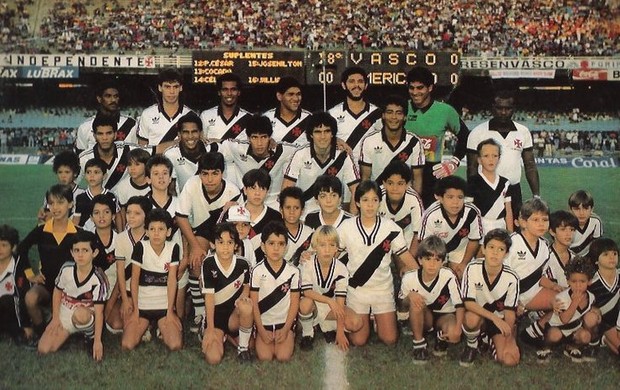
(275, 296)
(271, 161)
(125, 128)
(171, 134)
(296, 132)
(362, 128)
(445, 294)
(497, 305)
(297, 254)
(403, 156)
(333, 169)
(372, 262)
(119, 170)
(532, 279)
(332, 289)
(236, 128)
(456, 240)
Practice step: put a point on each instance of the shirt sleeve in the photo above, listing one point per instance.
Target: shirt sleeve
(137, 254)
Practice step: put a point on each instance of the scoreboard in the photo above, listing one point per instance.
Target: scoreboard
(318, 67)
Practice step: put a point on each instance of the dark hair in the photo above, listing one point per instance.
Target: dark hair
(228, 77)
(139, 155)
(158, 159)
(580, 198)
(366, 186)
(169, 75)
(327, 183)
(96, 162)
(395, 100)
(287, 82)
(321, 118)
(431, 245)
(501, 235)
(104, 121)
(60, 191)
(292, 192)
(257, 176)
(422, 75)
(67, 158)
(211, 161)
(190, 117)
(489, 141)
(106, 84)
(579, 265)
(397, 167)
(504, 94)
(158, 215)
(231, 229)
(449, 182)
(9, 234)
(104, 199)
(562, 218)
(351, 70)
(142, 201)
(274, 227)
(531, 206)
(84, 236)
(258, 124)
(600, 245)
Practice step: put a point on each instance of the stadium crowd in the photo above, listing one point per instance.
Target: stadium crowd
(475, 28)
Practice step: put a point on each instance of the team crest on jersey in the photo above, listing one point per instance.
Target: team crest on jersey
(307, 164)
(403, 156)
(214, 273)
(442, 299)
(236, 129)
(181, 160)
(120, 168)
(155, 120)
(332, 171)
(386, 245)
(211, 122)
(296, 131)
(518, 143)
(521, 255)
(378, 149)
(8, 286)
(110, 258)
(478, 286)
(285, 287)
(437, 223)
(167, 267)
(500, 306)
(269, 164)
(366, 124)
(463, 232)
(340, 118)
(237, 284)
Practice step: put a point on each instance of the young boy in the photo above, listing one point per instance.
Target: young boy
(53, 240)
(79, 296)
(606, 289)
(324, 282)
(328, 195)
(136, 183)
(154, 264)
(299, 235)
(457, 223)
(137, 209)
(239, 216)
(400, 202)
(13, 287)
(432, 296)
(275, 291)
(581, 205)
(575, 321)
(94, 174)
(491, 192)
(66, 166)
(225, 281)
(491, 296)
(562, 226)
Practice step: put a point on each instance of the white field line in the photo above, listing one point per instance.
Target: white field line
(335, 377)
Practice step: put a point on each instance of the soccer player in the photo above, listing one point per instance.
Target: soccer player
(288, 119)
(355, 115)
(13, 287)
(581, 204)
(606, 289)
(80, 291)
(429, 120)
(401, 203)
(157, 122)
(432, 296)
(321, 157)
(299, 235)
(369, 242)
(575, 321)
(392, 142)
(328, 194)
(490, 192)
(66, 167)
(491, 296)
(324, 282)
(516, 144)
(562, 226)
(225, 280)
(53, 241)
(258, 152)
(226, 120)
(108, 100)
(154, 285)
(275, 291)
(456, 222)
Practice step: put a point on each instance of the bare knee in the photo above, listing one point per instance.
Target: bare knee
(32, 298)
(510, 359)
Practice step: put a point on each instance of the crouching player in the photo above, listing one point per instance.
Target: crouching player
(324, 282)
(432, 296)
(274, 290)
(491, 295)
(78, 300)
(576, 320)
(225, 280)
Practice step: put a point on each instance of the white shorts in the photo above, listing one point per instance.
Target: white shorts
(526, 297)
(66, 315)
(490, 224)
(182, 283)
(365, 301)
(110, 273)
(322, 311)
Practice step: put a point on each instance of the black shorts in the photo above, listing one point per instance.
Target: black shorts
(220, 321)
(491, 329)
(152, 316)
